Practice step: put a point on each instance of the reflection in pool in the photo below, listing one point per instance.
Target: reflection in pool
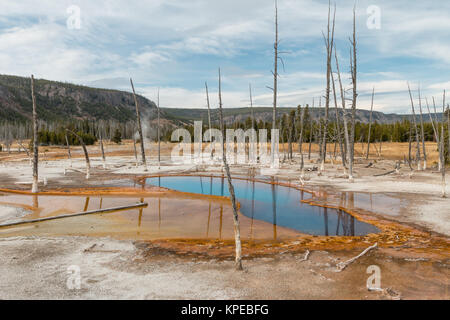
(168, 216)
(278, 205)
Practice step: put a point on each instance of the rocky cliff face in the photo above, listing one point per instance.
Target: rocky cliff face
(57, 100)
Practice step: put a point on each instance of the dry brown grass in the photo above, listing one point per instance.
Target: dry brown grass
(389, 150)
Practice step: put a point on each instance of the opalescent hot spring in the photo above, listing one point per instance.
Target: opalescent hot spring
(278, 205)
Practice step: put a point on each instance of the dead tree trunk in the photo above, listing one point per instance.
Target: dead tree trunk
(435, 123)
(370, 125)
(251, 106)
(26, 151)
(209, 117)
(86, 155)
(381, 145)
(329, 43)
(436, 134)
(291, 132)
(424, 149)
(335, 139)
(319, 137)
(301, 115)
(353, 64)
(103, 152)
(417, 131)
(448, 130)
(338, 123)
(138, 119)
(311, 131)
(135, 151)
(69, 154)
(253, 148)
(344, 117)
(282, 142)
(275, 87)
(159, 135)
(410, 148)
(237, 230)
(35, 188)
(442, 150)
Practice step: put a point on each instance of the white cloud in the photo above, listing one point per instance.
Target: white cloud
(172, 97)
(149, 58)
(178, 45)
(440, 86)
(38, 49)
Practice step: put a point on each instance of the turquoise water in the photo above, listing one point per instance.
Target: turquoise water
(275, 204)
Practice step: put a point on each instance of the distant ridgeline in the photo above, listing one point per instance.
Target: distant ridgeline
(61, 101)
(91, 111)
(110, 114)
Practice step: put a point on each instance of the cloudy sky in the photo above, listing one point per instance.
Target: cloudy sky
(177, 45)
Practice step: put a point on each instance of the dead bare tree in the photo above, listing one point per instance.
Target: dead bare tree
(209, 117)
(370, 125)
(311, 131)
(291, 131)
(435, 130)
(253, 147)
(416, 130)
(381, 145)
(237, 230)
(448, 129)
(320, 131)
(135, 151)
(442, 149)
(252, 115)
(329, 44)
(35, 188)
(159, 134)
(422, 133)
(344, 117)
(69, 154)
(431, 117)
(354, 73)
(102, 148)
(338, 123)
(138, 119)
(410, 148)
(86, 154)
(275, 85)
(26, 151)
(301, 115)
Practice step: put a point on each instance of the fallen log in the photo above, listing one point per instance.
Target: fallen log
(342, 265)
(73, 169)
(385, 174)
(305, 257)
(396, 170)
(115, 209)
(370, 165)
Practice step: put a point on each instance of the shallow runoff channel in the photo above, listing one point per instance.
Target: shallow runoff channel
(279, 205)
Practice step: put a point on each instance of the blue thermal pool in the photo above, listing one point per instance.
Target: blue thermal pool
(275, 204)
